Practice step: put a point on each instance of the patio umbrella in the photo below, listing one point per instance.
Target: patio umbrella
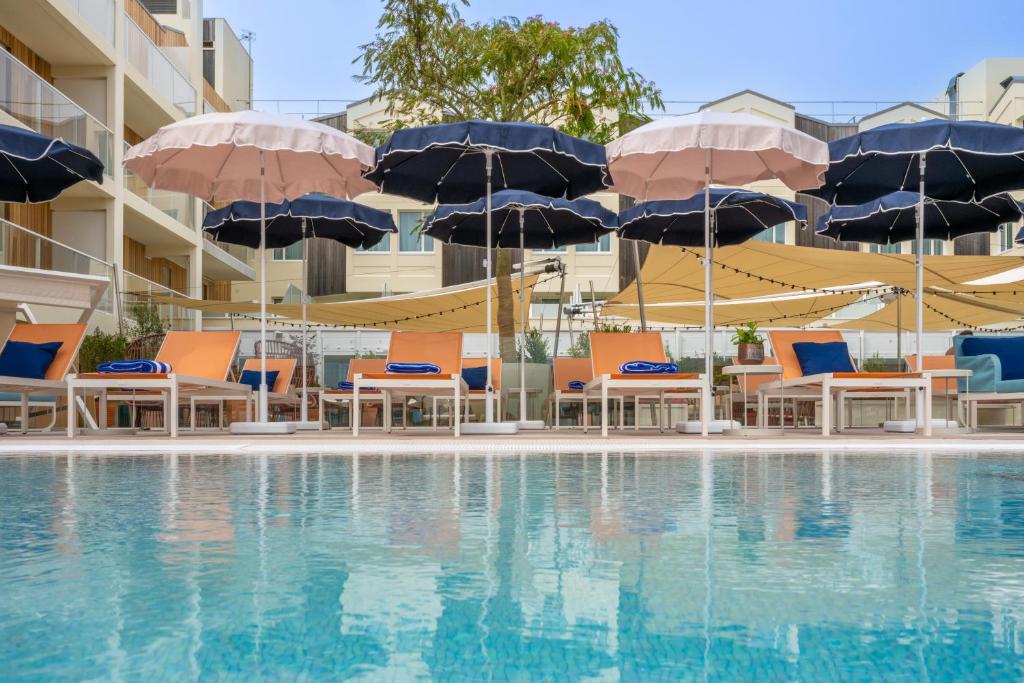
(287, 222)
(939, 159)
(674, 157)
(37, 168)
(259, 157)
(514, 218)
(454, 163)
(892, 218)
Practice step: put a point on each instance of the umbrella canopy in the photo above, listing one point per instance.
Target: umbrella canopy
(446, 162)
(218, 157)
(352, 224)
(965, 160)
(548, 222)
(738, 216)
(666, 158)
(37, 168)
(893, 218)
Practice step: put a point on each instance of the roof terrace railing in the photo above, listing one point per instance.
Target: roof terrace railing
(178, 205)
(45, 109)
(97, 13)
(157, 68)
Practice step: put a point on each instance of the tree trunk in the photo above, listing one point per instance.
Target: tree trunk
(506, 306)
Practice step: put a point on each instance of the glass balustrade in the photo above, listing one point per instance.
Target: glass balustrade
(157, 68)
(97, 13)
(23, 248)
(45, 109)
(178, 205)
(139, 290)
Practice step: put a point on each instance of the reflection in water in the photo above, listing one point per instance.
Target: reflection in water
(614, 566)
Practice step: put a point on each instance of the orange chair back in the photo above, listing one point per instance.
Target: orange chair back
(750, 383)
(567, 370)
(200, 354)
(285, 372)
(443, 349)
(365, 366)
(609, 350)
(782, 347)
(939, 386)
(70, 334)
(480, 362)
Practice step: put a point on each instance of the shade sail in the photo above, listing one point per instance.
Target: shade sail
(943, 311)
(758, 268)
(796, 310)
(458, 308)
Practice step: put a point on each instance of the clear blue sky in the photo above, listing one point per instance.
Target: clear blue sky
(795, 50)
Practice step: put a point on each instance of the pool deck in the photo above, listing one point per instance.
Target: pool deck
(566, 441)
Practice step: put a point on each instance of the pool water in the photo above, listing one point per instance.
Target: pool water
(718, 567)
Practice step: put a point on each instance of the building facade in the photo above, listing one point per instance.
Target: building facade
(105, 74)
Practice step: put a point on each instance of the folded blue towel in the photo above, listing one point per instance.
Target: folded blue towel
(128, 367)
(345, 385)
(412, 369)
(647, 367)
(576, 385)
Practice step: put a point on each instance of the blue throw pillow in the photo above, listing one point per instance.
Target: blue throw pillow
(476, 378)
(28, 360)
(823, 357)
(1009, 350)
(252, 378)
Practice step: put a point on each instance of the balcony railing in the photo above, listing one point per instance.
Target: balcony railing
(139, 290)
(246, 255)
(97, 13)
(178, 205)
(157, 68)
(23, 248)
(40, 106)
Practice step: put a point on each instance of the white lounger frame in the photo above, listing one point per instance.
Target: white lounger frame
(604, 387)
(450, 386)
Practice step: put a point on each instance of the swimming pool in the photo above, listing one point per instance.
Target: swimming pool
(607, 566)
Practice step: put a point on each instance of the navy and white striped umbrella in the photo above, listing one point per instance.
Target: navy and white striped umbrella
(37, 168)
(893, 218)
(344, 221)
(738, 215)
(446, 163)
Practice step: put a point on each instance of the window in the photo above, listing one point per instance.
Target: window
(931, 247)
(776, 234)
(552, 250)
(1006, 236)
(545, 308)
(277, 299)
(382, 247)
(884, 248)
(410, 239)
(602, 245)
(292, 252)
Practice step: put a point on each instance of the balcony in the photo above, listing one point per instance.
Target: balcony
(97, 13)
(139, 290)
(66, 32)
(227, 261)
(178, 206)
(157, 69)
(26, 249)
(35, 103)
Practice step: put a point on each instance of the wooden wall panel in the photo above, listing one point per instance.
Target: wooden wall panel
(159, 270)
(157, 32)
(26, 56)
(217, 290)
(24, 250)
(973, 245)
(461, 264)
(327, 260)
(807, 237)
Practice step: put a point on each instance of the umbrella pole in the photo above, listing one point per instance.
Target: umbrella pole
(558, 317)
(709, 298)
(523, 423)
(919, 266)
(489, 393)
(304, 411)
(639, 285)
(263, 417)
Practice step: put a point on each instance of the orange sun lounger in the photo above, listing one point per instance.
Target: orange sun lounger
(361, 366)
(609, 350)
(42, 391)
(836, 385)
(565, 370)
(281, 392)
(200, 365)
(443, 349)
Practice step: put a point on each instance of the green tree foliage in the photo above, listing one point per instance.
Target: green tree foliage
(432, 66)
(100, 347)
(537, 347)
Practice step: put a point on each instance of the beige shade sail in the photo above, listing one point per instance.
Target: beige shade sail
(757, 269)
(793, 310)
(458, 308)
(946, 311)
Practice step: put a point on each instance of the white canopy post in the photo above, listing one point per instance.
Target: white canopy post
(706, 409)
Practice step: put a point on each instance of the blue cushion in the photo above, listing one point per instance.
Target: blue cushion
(397, 368)
(476, 378)
(10, 397)
(252, 378)
(1009, 350)
(648, 367)
(823, 357)
(28, 360)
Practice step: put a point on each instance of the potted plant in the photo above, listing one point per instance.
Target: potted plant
(749, 344)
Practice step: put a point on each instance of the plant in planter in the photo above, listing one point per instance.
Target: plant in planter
(536, 347)
(749, 344)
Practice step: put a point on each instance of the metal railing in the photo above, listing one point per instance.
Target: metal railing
(23, 248)
(45, 109)
(178, 205)
(157, 68)
(139, 290)
(97, 13)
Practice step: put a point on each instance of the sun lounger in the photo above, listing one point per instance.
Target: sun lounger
(443, 349)
(26, 392)
(475, 394)
(838, 386)
(361, 366)
(565, 371)
(200, 366)
(280, 393)
(609, 350)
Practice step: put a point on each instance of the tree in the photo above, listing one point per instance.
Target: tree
(432, 66)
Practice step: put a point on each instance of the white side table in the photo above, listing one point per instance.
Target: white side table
(743, 373)
(965, 420)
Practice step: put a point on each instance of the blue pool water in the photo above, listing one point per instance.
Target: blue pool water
(719, 567)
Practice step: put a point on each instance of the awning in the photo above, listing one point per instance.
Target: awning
(986, 308)
(457, 308)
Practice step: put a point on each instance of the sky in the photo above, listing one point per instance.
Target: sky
(801, 51)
